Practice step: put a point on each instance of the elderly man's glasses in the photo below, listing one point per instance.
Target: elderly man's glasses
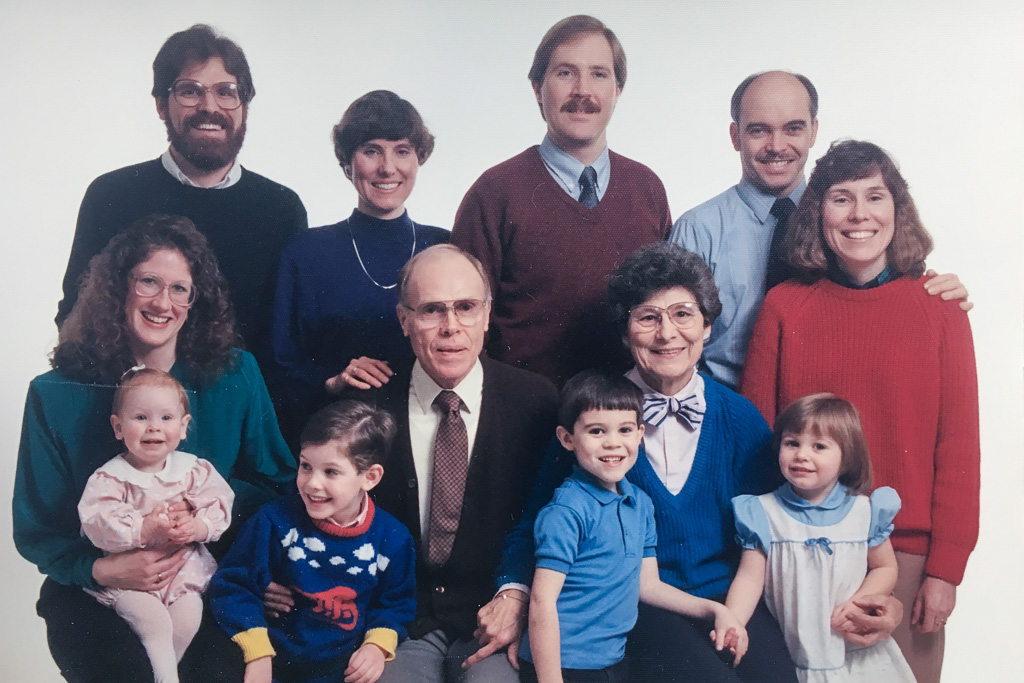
(433, 313)
(180, 293)
(684, 315)
(191, 93)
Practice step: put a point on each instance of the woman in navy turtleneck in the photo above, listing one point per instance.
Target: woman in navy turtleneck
(334, 313)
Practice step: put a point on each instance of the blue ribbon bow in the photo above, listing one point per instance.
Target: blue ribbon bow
(813, 544)
(690, 410)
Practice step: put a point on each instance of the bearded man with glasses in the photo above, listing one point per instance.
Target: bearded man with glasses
(202, 87)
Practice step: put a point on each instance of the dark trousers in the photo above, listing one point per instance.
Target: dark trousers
(91, 644)
(665, 647)
(616, 673)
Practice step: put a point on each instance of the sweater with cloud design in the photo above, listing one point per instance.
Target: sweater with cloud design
(353, 585)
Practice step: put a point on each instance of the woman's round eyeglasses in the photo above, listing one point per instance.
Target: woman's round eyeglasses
(180, 293)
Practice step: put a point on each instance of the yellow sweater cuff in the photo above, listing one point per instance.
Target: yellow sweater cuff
(255, 643)
(384, 638)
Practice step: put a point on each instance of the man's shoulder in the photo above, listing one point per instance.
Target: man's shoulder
(515, 167)
(631, 169)
(139, 173)
(712, 210)
(517, 381)
(265, 185)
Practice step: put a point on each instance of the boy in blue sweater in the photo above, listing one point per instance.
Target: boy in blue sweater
(595, 547)
(350, 566)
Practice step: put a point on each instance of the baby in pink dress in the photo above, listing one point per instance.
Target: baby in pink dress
(133, 501)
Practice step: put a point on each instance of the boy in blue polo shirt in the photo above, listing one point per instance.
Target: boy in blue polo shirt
(595, 547)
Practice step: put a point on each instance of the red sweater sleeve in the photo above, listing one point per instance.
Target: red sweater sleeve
(957, 452)
(761, 368)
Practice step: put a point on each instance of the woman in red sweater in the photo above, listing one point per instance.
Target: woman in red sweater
(861, 325)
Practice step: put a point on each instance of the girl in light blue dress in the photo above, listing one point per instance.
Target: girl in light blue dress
(817, 544)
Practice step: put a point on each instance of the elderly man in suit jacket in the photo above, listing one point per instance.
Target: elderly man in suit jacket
(470, 439)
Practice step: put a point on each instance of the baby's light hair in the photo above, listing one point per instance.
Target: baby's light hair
(828, 415)
(148, 377)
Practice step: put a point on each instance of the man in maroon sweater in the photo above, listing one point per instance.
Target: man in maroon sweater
(550, 224)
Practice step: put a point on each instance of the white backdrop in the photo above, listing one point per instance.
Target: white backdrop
(936, 83)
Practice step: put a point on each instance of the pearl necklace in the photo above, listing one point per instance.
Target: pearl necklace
(362, 265)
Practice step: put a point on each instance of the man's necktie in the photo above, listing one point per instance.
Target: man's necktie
(588, 187)
(778, 270)
(451, 462)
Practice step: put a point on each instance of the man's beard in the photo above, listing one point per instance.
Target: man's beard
(206, 154)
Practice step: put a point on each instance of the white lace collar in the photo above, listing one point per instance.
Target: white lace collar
(178, 465)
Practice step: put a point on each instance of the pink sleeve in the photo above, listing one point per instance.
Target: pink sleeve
(210, 498)
(761, 368)
(957, 451)
(108, 521)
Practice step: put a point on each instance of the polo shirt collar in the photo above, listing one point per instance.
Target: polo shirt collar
(591, 485)
(761, 202)
(568, 169)
(785, 495)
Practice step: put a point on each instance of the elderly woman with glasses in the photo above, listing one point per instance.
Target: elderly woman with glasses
(152, 297)
(703, 444)
(334, 314)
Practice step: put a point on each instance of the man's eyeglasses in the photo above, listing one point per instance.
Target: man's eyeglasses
(180, 293)
(191, 93)
(684, 315)
(433, 313)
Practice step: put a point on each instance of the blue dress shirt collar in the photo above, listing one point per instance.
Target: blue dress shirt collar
(761, 202)
(566, 169)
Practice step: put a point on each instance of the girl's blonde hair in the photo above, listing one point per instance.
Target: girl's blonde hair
(148, 377)
(828, 415)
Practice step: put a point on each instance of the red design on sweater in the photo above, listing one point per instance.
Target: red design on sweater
(336, 606)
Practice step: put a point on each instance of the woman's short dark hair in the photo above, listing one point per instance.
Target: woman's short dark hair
(804, 244)
(657, 267)
(382, 115)
(598, 390)
(199, 44)
(364, 432)
(93, 344)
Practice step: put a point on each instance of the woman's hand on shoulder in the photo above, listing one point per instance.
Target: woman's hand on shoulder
(142, 569)
(361, 373)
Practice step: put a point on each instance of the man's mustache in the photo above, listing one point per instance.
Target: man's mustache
(768, 156)
(580, 103)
